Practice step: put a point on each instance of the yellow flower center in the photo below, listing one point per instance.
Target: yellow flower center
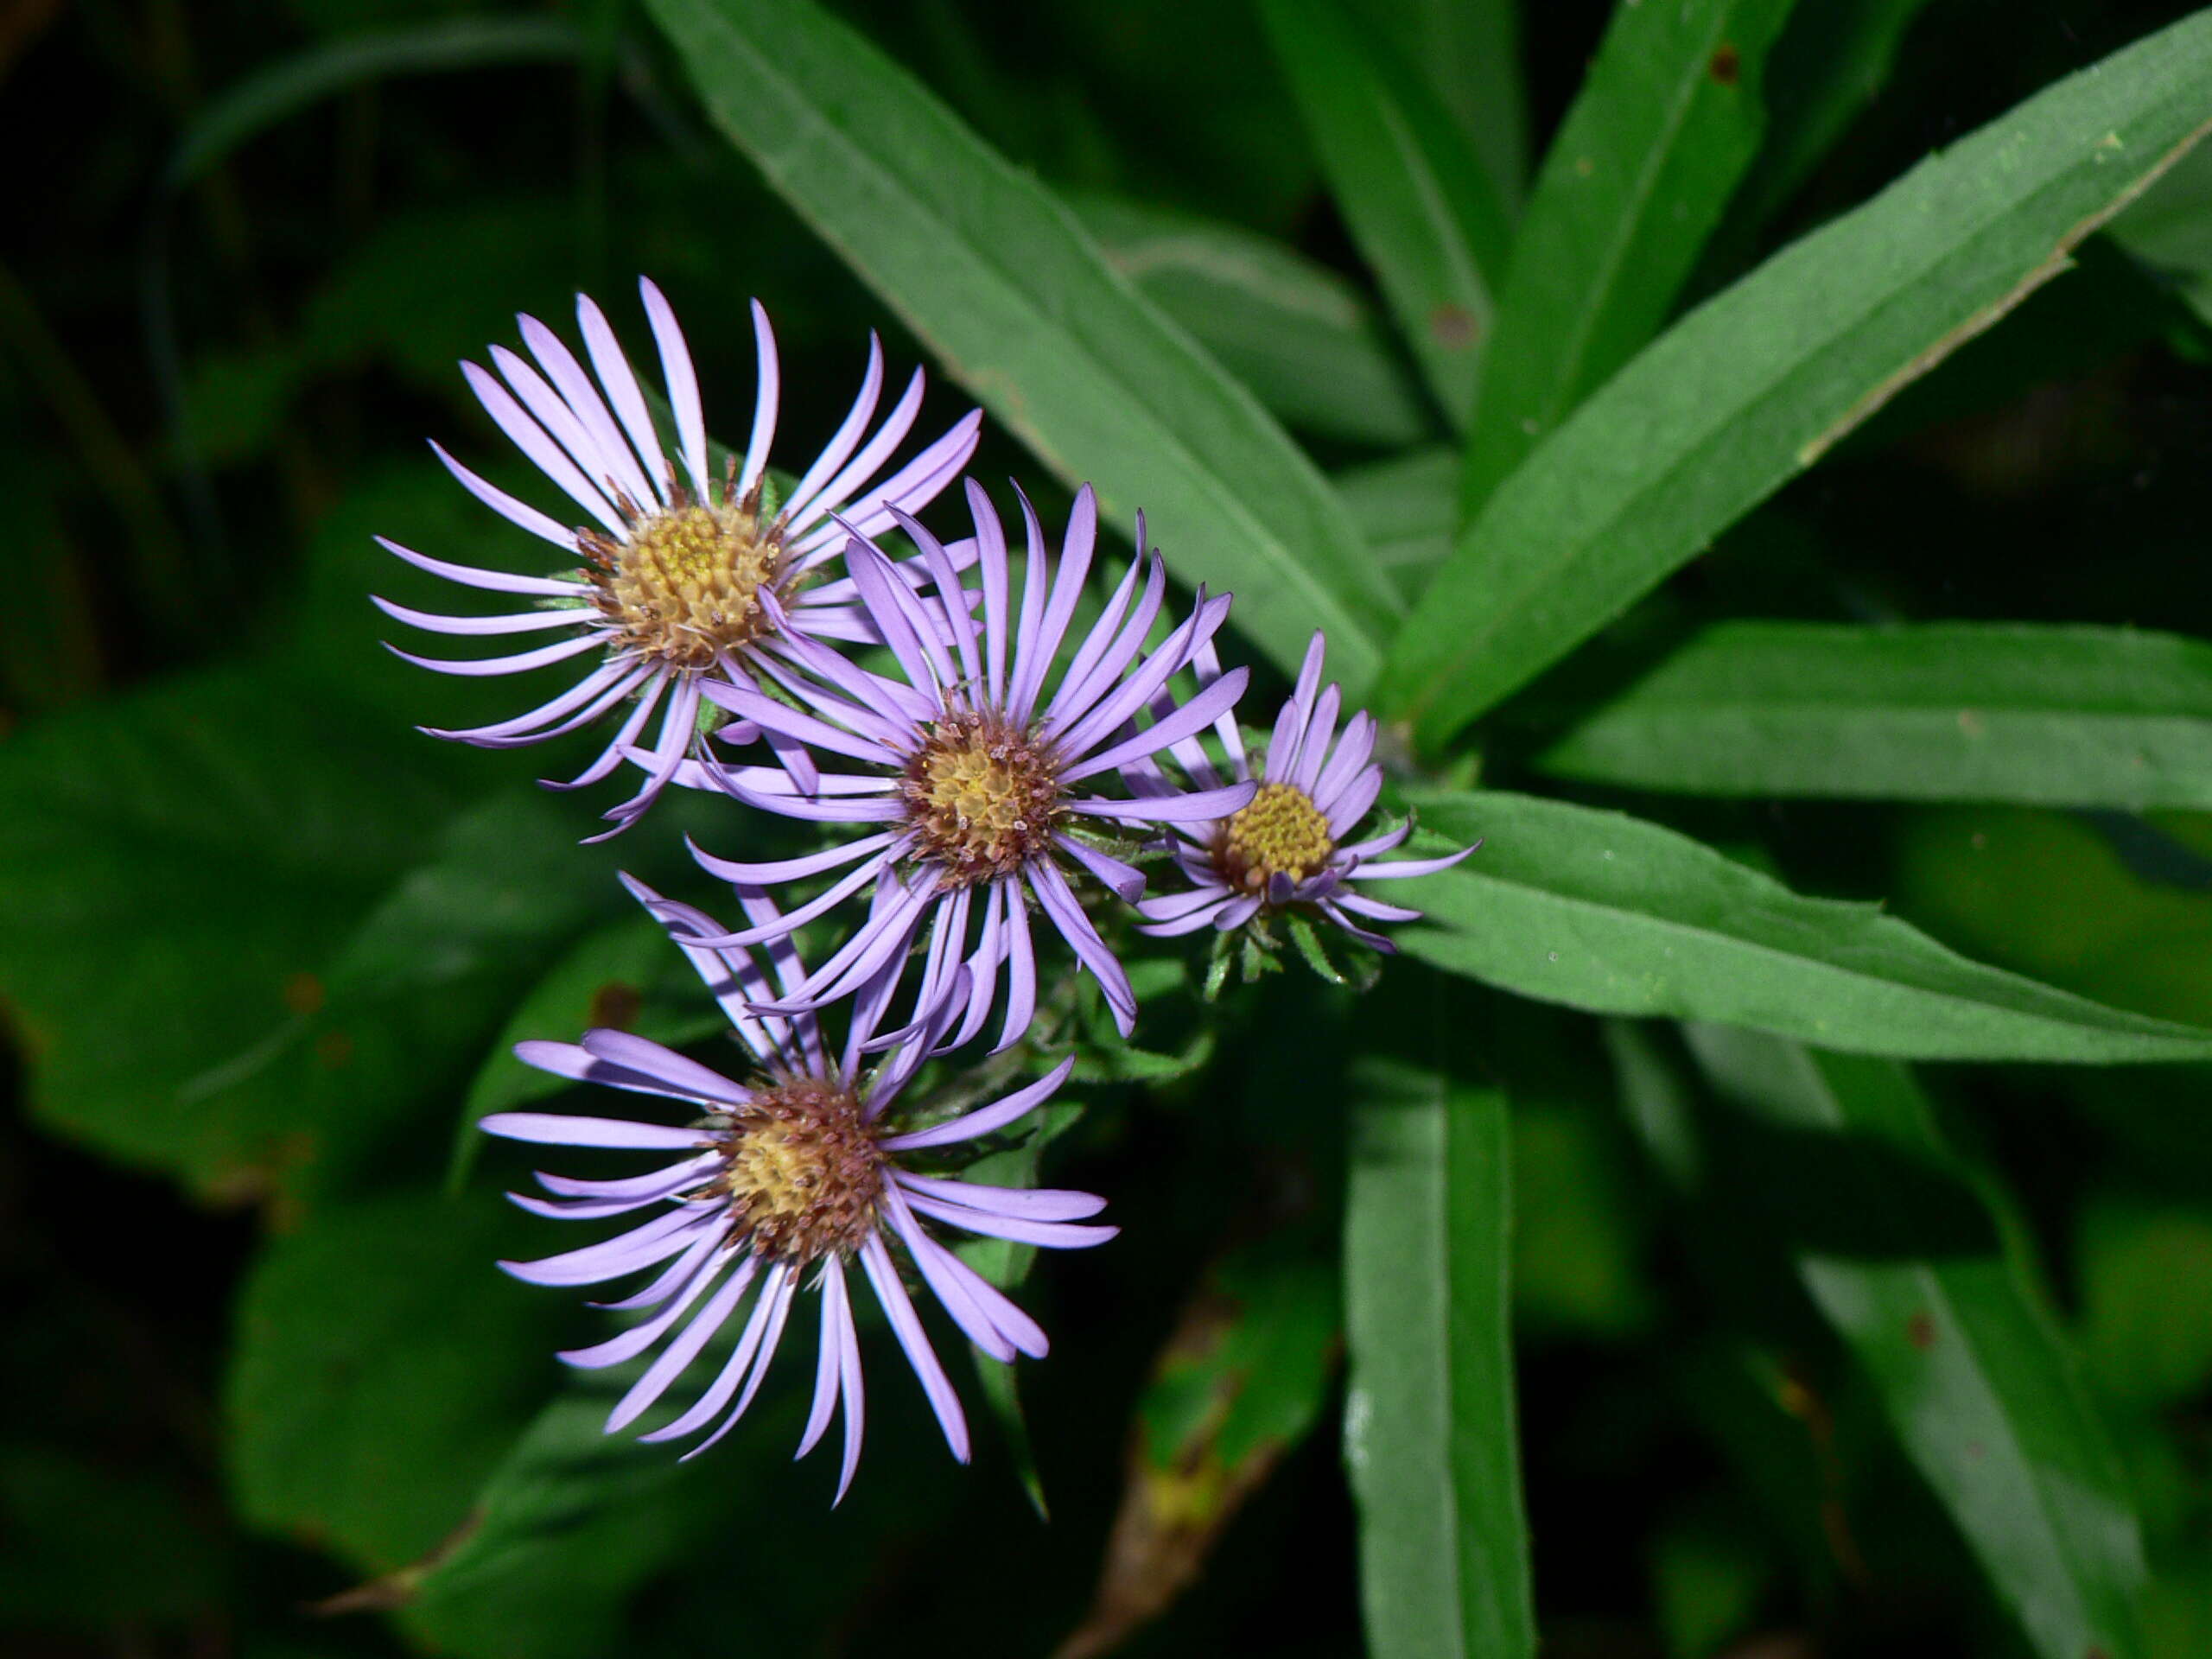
(1279, 832)
(982, 798)
(684, 584)
(802, 1171)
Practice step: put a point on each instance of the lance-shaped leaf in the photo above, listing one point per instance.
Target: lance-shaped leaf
(2059, 716)
(1406, 506)
(1976, 1381)
(1667, 122)
(1831, 61)
(1755, 385)
(1429, 1433)
(982, 263)
(1469, 52)
(1420, 205)
(1604, 911)
(1304, 339)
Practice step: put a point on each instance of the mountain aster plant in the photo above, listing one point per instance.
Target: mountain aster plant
(782, 1183)
(1286, 851)
(973, 801)
(687, 573)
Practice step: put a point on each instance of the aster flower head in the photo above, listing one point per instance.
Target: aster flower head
(1286, 851)
(976, 799)
(781, 1184)
(686, 573)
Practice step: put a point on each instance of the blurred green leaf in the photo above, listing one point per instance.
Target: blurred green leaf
(1304, 339)
(1406, 507)
(63, 1569)
(1238, 1385)
(1832, 61)
(2047, 895)
(1469, 53)
(987, 266)
(1429, 1434)
(1604, 912)
(1668, 118)
(382, 1366)
(1420, 208)
(626, 976)
(1753, 386)
(1975, 1378)
(1946, 712)
(401, 1013)
(582, 1543)
(1574, 1254)
(1708, 1570)
(2146, 1274)
(289, 85)
(2171, 230)
(175, 868)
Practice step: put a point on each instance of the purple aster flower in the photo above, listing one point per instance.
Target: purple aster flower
(684, 574)
(781, 1184)
(1286, 849)
(974, 802)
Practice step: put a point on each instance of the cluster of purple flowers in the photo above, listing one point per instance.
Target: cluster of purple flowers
(999, 764)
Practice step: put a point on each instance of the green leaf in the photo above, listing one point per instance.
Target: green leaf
(383, 1365)
(1755, 385)
(2062, 716)
(1429, 1434)
(1831, 61)
(2147, 1300)
(174, 866)
(1975, 1379)
(1667, 122)
(626, 975)
(1407, 507)
(573, 1523)
(1469, 52)
(291, 84)
(1304, 339)
(982, 263)
(1604, 911)
(1422, 209)
(2171, 231)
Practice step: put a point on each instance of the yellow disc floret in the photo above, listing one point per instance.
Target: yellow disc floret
(1280, 832)
(981, 796)
(684, 585)
(801, 1171)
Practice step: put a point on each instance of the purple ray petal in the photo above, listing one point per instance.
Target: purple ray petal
(497, 582)
(673, 1359)
(1125, 881)
(561, 1129)
(517, 622)
(544, 453)
(641, 1247)
(515, 512)
(622, 383)
(768, 393)
(984, 1120)
(1056, 1234)
(521, 663)
(628, 1345)
(1200, 805)
(1031, 1203)
(1193, 716)
(845, 440)
(642, 1054)
(884, 1276)
(683, 382)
